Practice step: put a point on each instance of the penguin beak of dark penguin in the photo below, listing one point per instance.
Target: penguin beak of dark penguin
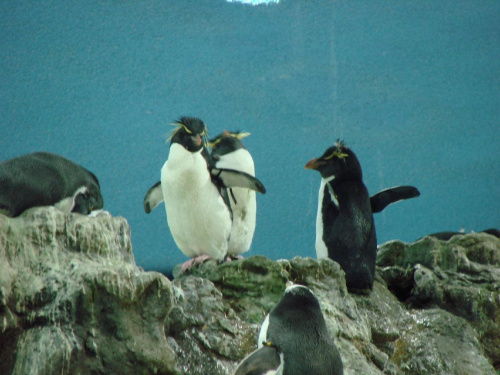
(314, 164)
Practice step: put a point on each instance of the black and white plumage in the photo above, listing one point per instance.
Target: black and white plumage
(266, 360)
(345, 229)
(228, 152)
(294, 340)
(195, 194)
(47, 179)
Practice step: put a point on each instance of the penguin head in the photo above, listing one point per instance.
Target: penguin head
(297, 297)
(190, 133)
(338, 161)
(226, 143)
(88, 200)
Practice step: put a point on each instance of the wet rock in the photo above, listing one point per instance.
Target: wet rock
(72, 301)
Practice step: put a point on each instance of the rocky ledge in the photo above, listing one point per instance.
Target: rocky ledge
(72, 301)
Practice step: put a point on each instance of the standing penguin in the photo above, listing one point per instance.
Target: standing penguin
(229, 152)
(345, 230)
(195, 195)
(46, 179)
(294, 340)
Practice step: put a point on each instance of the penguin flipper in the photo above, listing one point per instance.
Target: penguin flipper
(232, 178)
(153, 197)
(265, 360)
(384, 198)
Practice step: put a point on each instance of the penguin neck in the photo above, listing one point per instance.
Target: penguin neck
(328, 183)
(183, 164)
(180, 158)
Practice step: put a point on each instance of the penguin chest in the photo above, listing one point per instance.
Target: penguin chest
(198, 219)
(327, 208)
(344, 226)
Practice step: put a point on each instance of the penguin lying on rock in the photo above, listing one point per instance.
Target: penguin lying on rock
(345, 230)
(46, 179)
(195, 193)
(229, 152)
(294, 340)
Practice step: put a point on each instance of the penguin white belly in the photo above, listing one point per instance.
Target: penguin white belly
(244, 217)
(245, 207)
(321, 249)
(198, 219)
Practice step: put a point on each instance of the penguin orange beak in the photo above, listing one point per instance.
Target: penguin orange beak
(314, 164)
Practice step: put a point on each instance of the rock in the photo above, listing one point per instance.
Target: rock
(251, 287)
(460, 276)
(72, 301)
(207, 335)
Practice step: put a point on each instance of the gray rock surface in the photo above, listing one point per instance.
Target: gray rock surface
(72, 301)
(460, 276)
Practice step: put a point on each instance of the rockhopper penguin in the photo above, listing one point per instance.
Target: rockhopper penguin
(294, 340)
(195, 194)
(345, 230)
(46, 179)
(229, 152)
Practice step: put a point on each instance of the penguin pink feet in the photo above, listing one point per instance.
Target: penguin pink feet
(193, 261)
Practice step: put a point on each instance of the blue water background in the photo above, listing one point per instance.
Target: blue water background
(412, 88)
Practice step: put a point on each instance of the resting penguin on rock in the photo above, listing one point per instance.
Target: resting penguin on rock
(345, 230)
(46, 179)
(294, 340)
(229, 152)
(195, 194)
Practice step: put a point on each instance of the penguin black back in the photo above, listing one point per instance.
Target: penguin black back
(42, 179)
(298, 329)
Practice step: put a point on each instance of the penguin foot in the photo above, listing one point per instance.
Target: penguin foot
(193, 261)
(230, 258)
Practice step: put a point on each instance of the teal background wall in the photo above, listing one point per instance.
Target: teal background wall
(412, 88)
